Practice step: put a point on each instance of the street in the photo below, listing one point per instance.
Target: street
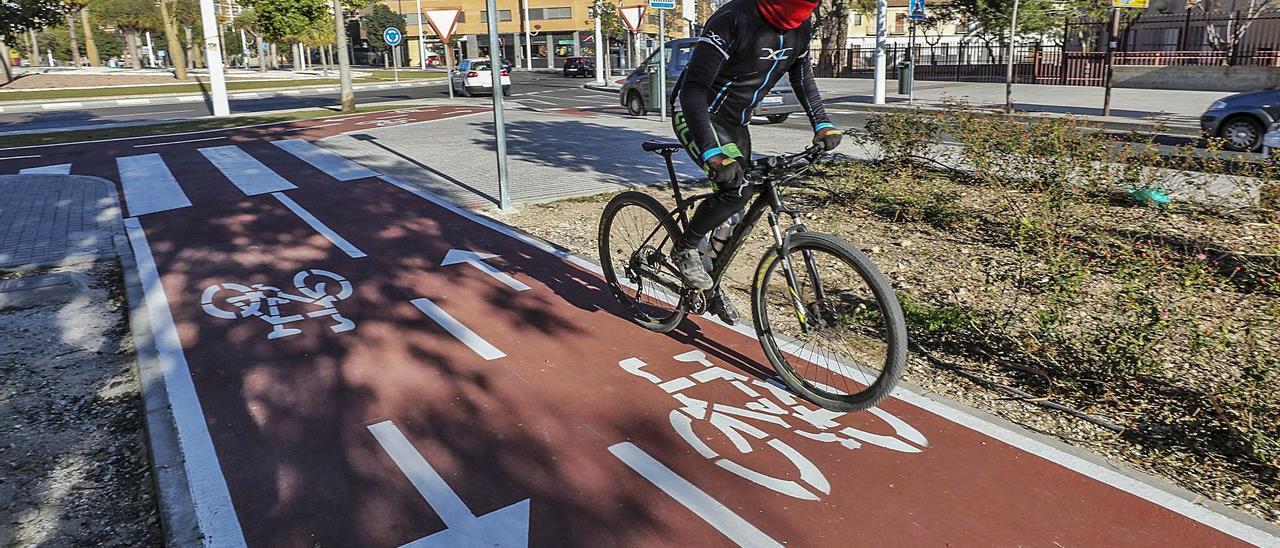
(353, 359)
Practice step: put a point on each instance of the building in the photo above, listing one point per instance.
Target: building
(557, 29)
(862, 29)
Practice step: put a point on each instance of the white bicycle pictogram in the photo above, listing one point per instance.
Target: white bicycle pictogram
(319, 290)
(769, 404)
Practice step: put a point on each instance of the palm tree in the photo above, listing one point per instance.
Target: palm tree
(176, 55)
(131, 17)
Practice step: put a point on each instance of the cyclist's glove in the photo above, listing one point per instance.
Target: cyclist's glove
(725, 172)
(828, 137)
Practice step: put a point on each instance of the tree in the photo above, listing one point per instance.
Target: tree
(19, 16)
(1225, 38)
(831, 25)
(131, 17)
(990, 18)
(90, 38)
(280, 19)
(320, 35)
(176, 55)
(380, 19)
(248, 22)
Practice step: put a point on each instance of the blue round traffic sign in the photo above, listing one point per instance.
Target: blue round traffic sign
(392, 36)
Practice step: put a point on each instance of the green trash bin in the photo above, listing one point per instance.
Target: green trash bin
(906, 76)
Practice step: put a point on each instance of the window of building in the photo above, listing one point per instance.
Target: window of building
(857, 19)
(503, 15)
(542, 14)
(900, 23)
(410, 18)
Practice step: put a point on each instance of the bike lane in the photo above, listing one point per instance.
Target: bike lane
(535, 405)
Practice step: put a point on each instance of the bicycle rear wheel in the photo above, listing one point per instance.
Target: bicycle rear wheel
(836, 335)
(635, 239)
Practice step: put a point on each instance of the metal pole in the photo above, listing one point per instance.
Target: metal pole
(448, 65)
(395, 62)
(602, 48)
(151, 51)
(882, 23)
(422, 41)
(1109, 61)
(213, 59)
(244, 50)
(499, 125)
(528, 39)
(662, 65)
(911, 62)
(344, 61)
(1008, 74)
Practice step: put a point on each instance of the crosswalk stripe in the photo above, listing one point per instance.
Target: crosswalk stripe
(149, 186)
(59, 169)
(332, 164)
(245, 171)
(324, 230)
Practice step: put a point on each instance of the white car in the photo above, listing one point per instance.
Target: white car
(473, 76)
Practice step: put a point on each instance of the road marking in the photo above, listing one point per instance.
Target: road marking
(292, 92)
(504, 527)
(58, 169)
(952, 412)
(459, 331)
(178, 142)
(688, 495)
(123, 102)
(148, 113)
(536, 101)
(20, 157)
(190, 98)
(455, 256)
(245, 171)
(332, 164)
(214, 512)
(149, 186)
(56, 106)
(338, 241)
(246, 95)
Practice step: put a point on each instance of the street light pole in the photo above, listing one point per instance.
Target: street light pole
(882, 22)
(528, 40)
(213, 58)
(602, 48)
(499, 125)
(1008, 73)
(422, 41)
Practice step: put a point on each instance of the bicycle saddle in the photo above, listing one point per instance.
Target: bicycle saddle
(658, 145)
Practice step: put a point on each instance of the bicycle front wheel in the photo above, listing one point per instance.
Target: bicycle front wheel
(829, 322)
(636, 239)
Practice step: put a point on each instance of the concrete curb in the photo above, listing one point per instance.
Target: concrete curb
(1109, 123)
(177, 98)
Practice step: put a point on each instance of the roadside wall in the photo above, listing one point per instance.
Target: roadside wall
(1201, 78)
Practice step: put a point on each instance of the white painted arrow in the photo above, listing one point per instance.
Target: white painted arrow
(504, 527)
(455, 256)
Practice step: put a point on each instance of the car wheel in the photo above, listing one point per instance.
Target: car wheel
(1241, 133)
(635, 105)
(778, 118)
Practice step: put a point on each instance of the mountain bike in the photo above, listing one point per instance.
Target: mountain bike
(827, 319)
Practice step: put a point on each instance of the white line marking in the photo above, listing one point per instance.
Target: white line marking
(688, 495)
(332, 164)
(20, 157)
(506, 527)
(536, 101)
(214, 512)
(58, 169)
(125, 102)
(1073, 462)
(245, 171)
(246, 95)
(455, 328)
(190, 98)
(178, 142)
(149, 186)
(292, 92)
(56, 106)
(455, 256)
(321, 125)
(147, 113)
(338, 241)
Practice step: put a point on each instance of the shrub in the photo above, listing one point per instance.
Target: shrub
(902, 137)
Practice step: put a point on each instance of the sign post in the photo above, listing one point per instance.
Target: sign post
(392, 36)
(499, 124)
(1113, 43)
(443, 23)
(916, 15)
(662, 6)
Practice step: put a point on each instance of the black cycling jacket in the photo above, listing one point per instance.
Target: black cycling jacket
(737, 60)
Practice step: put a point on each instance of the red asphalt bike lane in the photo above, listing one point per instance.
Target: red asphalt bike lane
(420, 387)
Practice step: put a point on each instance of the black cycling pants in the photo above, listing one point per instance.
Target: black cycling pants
(727, 200)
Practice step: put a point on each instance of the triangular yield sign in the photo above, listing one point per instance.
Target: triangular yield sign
(632, 16)
(444, 22)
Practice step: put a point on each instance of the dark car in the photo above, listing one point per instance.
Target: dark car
(1242, 119)
(578, 66)
(637, 91)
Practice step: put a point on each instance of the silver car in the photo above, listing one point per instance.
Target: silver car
(637, 92)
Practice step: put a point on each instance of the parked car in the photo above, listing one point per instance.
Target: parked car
(636, 90)
(473, 76)
(1242, 119)
(579, 66)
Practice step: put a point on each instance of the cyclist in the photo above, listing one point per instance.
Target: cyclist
(745, 48)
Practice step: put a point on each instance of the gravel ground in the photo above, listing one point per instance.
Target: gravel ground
(74, 469)
(903, 252)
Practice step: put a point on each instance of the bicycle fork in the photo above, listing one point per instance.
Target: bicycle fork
(782, 242)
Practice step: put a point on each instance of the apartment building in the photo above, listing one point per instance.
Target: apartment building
(557, 29)
(862, 29)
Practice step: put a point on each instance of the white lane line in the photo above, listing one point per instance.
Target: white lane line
(213, 509)
(125, 102)
(687, 494)
(246, 95)
(149, 186)
(324, 230)
(245, 171)
(20, 157)
(292, 92)
(147, 113)
(459, 331)
(322, 125)
(1106, 475)
(424, 478)
(58, 169)
(536, 101)
(178, 142)
(190, 98)
(335, 166)
(56, 106)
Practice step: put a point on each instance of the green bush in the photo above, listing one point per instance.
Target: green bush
(902, 137)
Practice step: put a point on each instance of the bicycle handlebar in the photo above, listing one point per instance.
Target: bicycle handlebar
(771, 165)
